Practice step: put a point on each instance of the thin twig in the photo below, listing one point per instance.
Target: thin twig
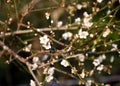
(35, 78)
(12, 52)
(38, 30)
(66, 73)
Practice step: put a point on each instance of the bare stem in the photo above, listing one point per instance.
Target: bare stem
(37, 29)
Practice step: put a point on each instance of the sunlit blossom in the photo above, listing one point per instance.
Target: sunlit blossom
(107, 85)
(67, 35)
(102, 57)
(64, 63)
(100, 67)
(27, 48)
(47, 46)
(112, 59)
(47, 15)
(35, 59)
(87, 20)
(34, 66)
(59, 24)
(83, 34)
(87, 23)
(44, 40)
(81, 57)
(78, 6)
(77, 20)
(74, 70)
(114, 47)
(49, 78)
(82, 74)
(51, 71)
(106, 33)
(96, 62)
(85, 14)
(32, 83)
(99, 1)
(88, 83)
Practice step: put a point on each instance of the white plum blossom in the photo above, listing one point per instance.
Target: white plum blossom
(27, 48)
(107, 85)
(87, 23)
(44, 40)
(32, 83)
(112, 59)
(77, 20)
(100, 67)
(83, 34)
(99, 1)
(49, 78)
(47, 46)
(64, 63)
(67, 35)
(81, 57)
(87, 20)
(73, 70)
(34, 66)
(35, 59)
(114, 47)
(102, 57)
(51, 71)
(106, 33)
(82, 74)
(47, 15)
(88, 83)
(85, 14)
(59, 24)
(96, 62)
(91, 35)
(78, 6)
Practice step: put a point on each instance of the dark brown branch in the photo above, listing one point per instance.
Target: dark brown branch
(12, 52)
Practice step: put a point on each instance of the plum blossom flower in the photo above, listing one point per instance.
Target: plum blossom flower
(74, 70)
(114, 47)
(59, 24)
(44, 39)
(102, 57)
(88, 83)
(78, 6)
(27, 48)
(49, 78)
(67, 35)
(47, 46)
(106, 33)
(64, 63)
(34, 66)
(96, 62)
(87, 20)
(82, 74)
(35, 59)
(32, 83)
(47, 15)
(77, 20)
(100, 67)
(51, 71)
(81, 57)
(99, 1)
(83, 34)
